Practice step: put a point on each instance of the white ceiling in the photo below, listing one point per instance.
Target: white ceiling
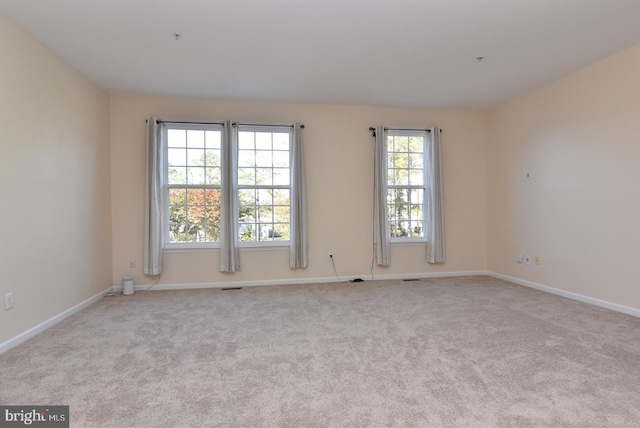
(399, 53)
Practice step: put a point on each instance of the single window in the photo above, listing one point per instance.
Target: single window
(406, 151)
(264, 186)
(193, 183)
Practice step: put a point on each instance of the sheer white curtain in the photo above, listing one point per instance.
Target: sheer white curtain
(299, 244)
(229, 241)
(435, 220)
(153, 199)
(380, 222)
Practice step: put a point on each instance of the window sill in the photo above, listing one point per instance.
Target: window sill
(409, 243)
(243, 248)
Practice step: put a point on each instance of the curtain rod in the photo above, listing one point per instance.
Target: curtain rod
(158, 122)
(428, 130)
(219, 123)
(262, 124)
(371, 128)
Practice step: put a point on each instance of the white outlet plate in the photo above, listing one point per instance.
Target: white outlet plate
(527, 260)
(132, 263)
(8, 301)
(519, 258)
(330, 257)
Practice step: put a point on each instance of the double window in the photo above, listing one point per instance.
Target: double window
(193, 176)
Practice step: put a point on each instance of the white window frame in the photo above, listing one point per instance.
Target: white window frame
(391, 132)
(167, 245)
(268, 128)
(214, 246)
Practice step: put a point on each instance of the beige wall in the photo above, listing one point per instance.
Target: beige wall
(339, 155)
(579, 137)
(55, 250)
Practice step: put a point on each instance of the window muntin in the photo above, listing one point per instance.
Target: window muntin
(193, 183)
(264, 187)
(406, 184)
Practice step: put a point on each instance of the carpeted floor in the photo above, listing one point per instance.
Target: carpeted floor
(455, 352)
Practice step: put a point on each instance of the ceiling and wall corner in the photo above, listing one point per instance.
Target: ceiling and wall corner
(404, 53)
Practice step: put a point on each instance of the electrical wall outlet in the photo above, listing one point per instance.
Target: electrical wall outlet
(527, 260)
(330, 257)
(8, 301)
(519, 258)
(132, 263)
(538, 260)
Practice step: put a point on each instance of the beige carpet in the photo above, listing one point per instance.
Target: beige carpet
(456, 352)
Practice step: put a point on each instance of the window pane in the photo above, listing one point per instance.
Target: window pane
(247, 213)
(195, 196)
(213, 176)
(177, 232)
(212, 197)
(246, 141)
(247, 176)
(177, 175)
(417, 229)
(176, 138)
(212, 157)
(416, 160)
(281, 141)
(177, 206)
(195, 175)
(247, 232)
(195, 157)
(195, 233)
(416, 144)
(195, 138)
(281, 176)
(265, 197)
(281, 159)
(401, 160)
(391, 177)
(264, 158)
(263, 176)
(246, 158)
(281, 214)
(212, 233)
(281, 197)
(177, 157)
(212, 215)
(247, 196)
(265, 214)
(213, 139)
(401, 144)
(417, 196)
(281, 232)
(263, 141)
(416, 178)
(401, 176)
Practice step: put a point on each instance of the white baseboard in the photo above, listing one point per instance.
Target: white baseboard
(568, 294)
(323, 280)
(23, 337)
